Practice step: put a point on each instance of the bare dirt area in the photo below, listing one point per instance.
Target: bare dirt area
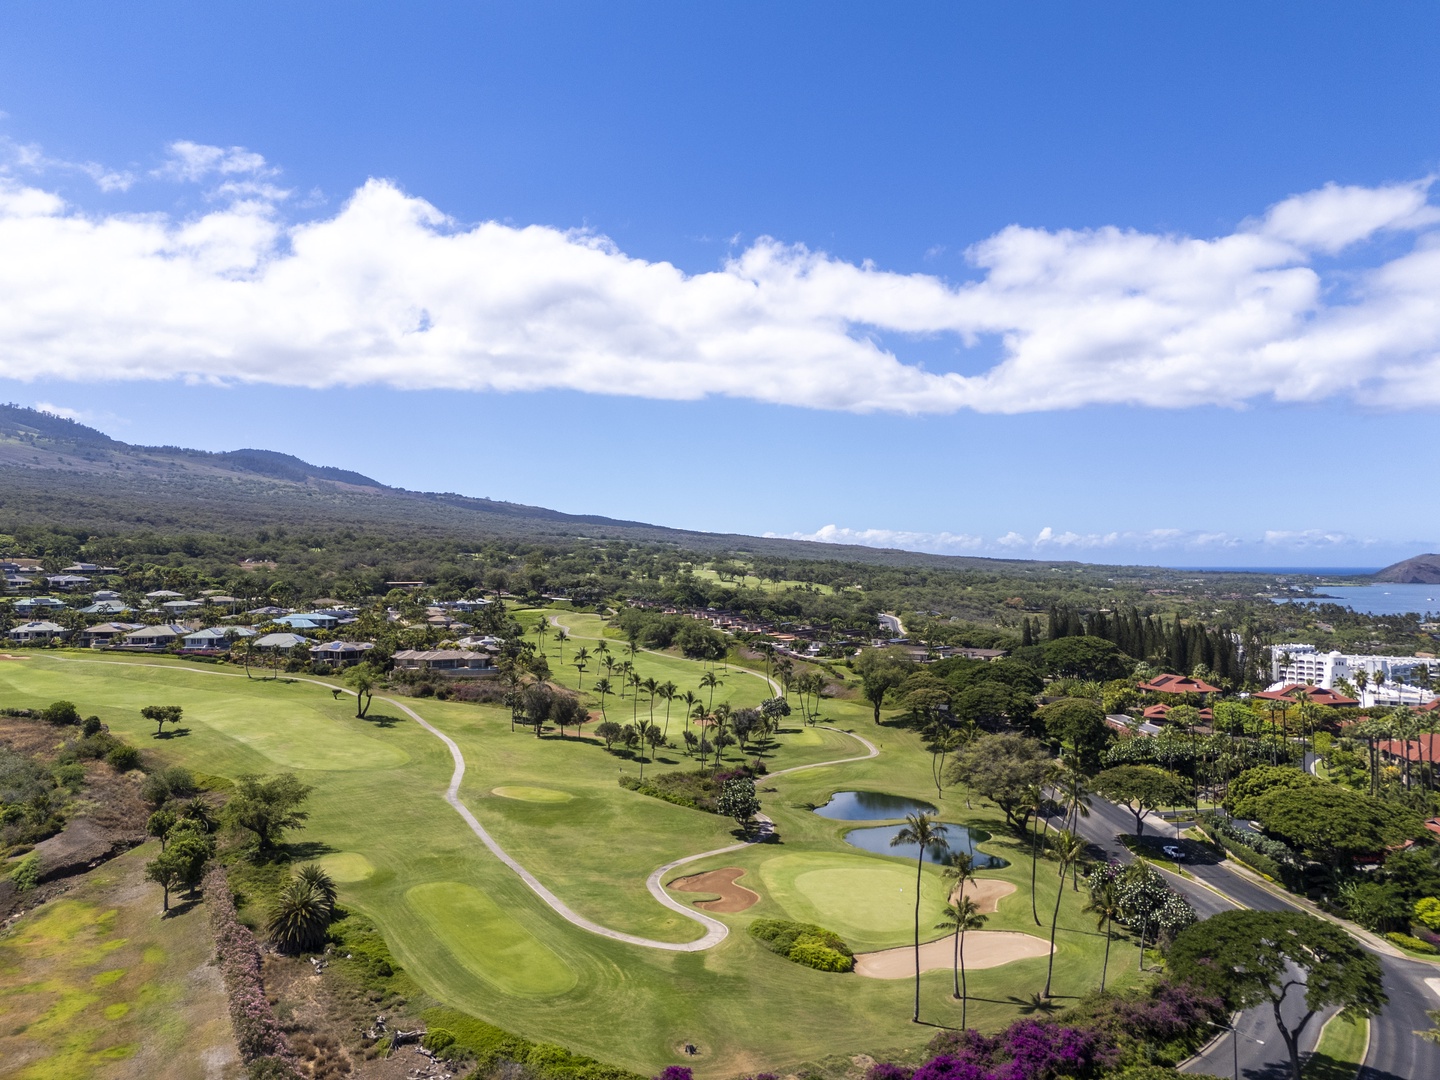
(983, 949)
(97, 984)
(987, 893)
(721, 883)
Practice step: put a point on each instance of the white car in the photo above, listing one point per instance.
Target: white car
(1173, 852)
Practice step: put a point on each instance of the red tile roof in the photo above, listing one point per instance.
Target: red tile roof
(1433, 706)
(1317, 695)
(1423, 748)
(1159, 712)
(1178, 684)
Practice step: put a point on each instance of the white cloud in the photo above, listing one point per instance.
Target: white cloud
(1050, 543)
(390, 291)
(62, 411)
(28, 157)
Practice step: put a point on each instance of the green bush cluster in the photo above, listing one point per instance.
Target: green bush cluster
(492, 1046)
(26, 873)
(1405, 941)
(804, 943)
(364, 946)
(691, 790)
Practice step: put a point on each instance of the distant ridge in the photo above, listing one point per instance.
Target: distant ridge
(1421, 570)
(58, 473)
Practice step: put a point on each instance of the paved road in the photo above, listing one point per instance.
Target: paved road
(1395, 1053)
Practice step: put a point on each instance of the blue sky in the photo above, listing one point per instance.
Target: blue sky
(1138, 284)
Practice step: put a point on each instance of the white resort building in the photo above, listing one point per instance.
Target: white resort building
(1400, 681)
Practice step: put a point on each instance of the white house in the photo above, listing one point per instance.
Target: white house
(38, 631)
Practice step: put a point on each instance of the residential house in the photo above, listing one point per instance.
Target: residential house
(309, 620)
(38, 605)
(66, 582)
(104, 594)
(164, 594)
(180, 607)
(38, 631)
(106, 607)
(1158, 713)
(1291, 694)
(1128, 725)
(456, 662)
(97, 637)
(279, 641)
(268, 610)
(214, 639)
(342, 653)
(1178, 684)
(153, 638)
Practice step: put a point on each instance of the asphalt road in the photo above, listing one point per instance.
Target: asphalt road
(1395, 1052)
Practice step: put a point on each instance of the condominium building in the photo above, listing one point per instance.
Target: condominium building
(1401, 683)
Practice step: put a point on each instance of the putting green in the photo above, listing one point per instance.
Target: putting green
(533, 794)
(347, 866)
(486, 941)
(860, 899)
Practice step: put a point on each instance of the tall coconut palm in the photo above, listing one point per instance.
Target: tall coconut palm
(959, 916)
(710, 681)
(651, 687)
(1105, 906)
(666, 692)
(928, 835)
(602, 688)
(542, 629)
(581, 662)
(690, 700)
(961, 871)
(560, 638)
(1068, 849)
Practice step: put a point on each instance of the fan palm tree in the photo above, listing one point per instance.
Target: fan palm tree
(928, 835)
(1105, 906)
(959, 916)
(581, 662)
(1068, 848)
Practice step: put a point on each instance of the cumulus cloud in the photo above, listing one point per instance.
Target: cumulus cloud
(388, 290)
(1052, 543)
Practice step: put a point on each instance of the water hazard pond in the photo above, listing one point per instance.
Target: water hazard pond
(875, 806)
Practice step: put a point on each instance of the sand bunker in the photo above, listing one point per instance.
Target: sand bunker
(732, 897)
(983, 949)
(987, 893)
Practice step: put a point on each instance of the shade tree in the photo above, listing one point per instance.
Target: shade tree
(1140, 789)
(1007, 770)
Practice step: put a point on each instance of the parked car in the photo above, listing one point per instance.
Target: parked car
(1173, 852)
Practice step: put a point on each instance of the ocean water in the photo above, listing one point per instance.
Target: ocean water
(1377, 599)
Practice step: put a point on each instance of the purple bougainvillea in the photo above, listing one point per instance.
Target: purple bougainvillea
(257, 1032)
(675, 1072)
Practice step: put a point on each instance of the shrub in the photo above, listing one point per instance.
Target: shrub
(820, 957)
(674, 1072)
(61, 713)
(257, 1033)
(92, 726)
(1405, 941)
(804, 943)
(70, 776)
(26, 874)
(1427, 911)
(437, 1039)
(123, 758)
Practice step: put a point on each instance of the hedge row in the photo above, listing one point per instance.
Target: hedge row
(263, 1046)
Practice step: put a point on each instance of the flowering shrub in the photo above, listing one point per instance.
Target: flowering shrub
(1165, 1021)
(1026, 1050)
(674, 1072)
(257, 1033)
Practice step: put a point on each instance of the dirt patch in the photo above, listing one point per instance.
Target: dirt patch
(732, 897)
(983, 949)
(987, 893)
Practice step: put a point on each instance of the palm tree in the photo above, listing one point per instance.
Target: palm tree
(602, 687)
(666, 692)
(542, 628)
(1105, 906)
(961, 870)
(929, 835)
(1035, 799)
(959, 916)
(560, 638)
(627, 673)
(581, 662)
(606, 660)
(690, 701)
(1069, 848)
(710, 680)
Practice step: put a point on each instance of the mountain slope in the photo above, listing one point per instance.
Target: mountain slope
(58, 473)
(1421, 570)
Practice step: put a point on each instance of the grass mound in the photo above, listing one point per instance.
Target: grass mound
(804, 943)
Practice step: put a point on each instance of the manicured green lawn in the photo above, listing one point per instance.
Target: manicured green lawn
(1340, 1051)
(476, 937)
